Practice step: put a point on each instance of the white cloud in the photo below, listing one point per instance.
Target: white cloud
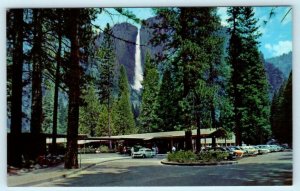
(280, 48)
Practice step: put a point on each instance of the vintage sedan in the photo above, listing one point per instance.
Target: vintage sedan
(261, 150)
(143, 153)
(237, 151)
(250, 150)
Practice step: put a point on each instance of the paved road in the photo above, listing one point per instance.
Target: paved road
(270, 169)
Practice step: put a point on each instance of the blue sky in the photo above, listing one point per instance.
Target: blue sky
(276, 36)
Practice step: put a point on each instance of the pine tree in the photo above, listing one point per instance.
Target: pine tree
(37, 65)
(233, 59)
(147, 116)
(106, 69)
(102, 127)
(58, 27)
(167, 105)
(48, 107)
(249, 90)
(16, 36)
(281, 113)
(89, 113)
(71, 159)
(123, 116)
(192, 30)
(80, 33)
(287, 108)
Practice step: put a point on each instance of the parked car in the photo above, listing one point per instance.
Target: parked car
(237, 151)
(249, 150)
(285, 146)
(273, 148)
(261, 150)
(143, 152)
(265, 148)
(277, 148)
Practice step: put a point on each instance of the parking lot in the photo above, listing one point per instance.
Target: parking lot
(268, 169)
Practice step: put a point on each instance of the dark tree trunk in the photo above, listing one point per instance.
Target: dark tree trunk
(36, 107)
(57, 81)
(71, 159)
(16, 105)
(198, 138)
(188, 140)
(235, 52)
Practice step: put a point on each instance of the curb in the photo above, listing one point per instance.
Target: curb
(198, 163)
(62, 176)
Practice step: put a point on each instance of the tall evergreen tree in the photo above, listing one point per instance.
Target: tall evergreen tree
(287, 107)
(237, 67)
(71, 159)
(192, 30)
(147, 116)
(281, 113)
(123, 116)
(16, 35)
(249, 90)
(106, 69)
(48, 107)
(167, 104)
(89, 112)
(58, 27)
(37, 65)
(80, 33)
(102, 128)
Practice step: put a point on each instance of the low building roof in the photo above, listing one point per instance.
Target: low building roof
(204, 133)
(157, 135)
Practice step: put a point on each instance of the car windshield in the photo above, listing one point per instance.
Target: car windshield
(136, 149)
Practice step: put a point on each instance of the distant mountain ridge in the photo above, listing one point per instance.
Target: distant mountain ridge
(283, 63)
(275, 78)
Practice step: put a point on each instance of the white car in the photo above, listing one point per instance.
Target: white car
(261, 150)
(265, 148)
(249, 150)
(144, 153)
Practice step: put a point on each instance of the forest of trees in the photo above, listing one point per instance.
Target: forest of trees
(68, 83)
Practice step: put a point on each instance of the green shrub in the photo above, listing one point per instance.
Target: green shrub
(104, 149)
(182, 156)
(212, 156)
(88, 149)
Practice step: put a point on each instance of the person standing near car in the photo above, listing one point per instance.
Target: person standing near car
(173, 149)
(132, 150)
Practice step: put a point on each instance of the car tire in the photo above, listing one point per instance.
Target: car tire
(144, 156)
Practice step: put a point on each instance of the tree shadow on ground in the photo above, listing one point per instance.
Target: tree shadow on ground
(163, 175)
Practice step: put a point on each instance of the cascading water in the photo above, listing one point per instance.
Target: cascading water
(138, 71)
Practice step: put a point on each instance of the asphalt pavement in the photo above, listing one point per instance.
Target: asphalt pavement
(33, 177)
(262, 170)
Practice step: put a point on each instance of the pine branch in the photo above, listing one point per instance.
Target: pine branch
(121, 39)
(286, 15)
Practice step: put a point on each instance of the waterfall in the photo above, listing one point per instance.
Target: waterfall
(138, 71)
